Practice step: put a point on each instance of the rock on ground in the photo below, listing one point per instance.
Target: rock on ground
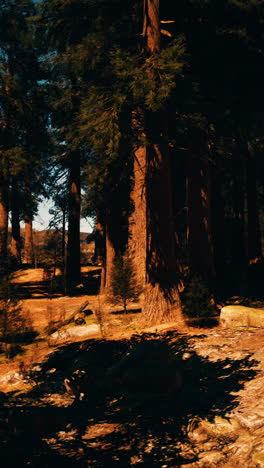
(240, 316)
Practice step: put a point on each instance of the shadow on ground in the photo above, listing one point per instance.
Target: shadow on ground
(117, 424)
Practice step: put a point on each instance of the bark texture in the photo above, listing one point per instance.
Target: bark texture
(73, 272)
(28, 242)
(138, 221)
(151, 26)
(109, 261)
(28, 219)
(115, 234)
(162, 301)
(15, 245)
(99, 249)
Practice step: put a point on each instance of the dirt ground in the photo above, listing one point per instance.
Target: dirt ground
(212, 417)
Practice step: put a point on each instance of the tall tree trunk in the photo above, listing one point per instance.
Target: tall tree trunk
(152, 198)
(73, 272)
(99, 243)
(137, 241)
(109, 262)
(15, 246)
(201, 259)
(162, 302)
(28, 218)
(254, 235)
(218, 226)
(3, 222)
(114, 241)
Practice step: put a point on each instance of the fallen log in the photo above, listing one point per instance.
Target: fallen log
(54, 326)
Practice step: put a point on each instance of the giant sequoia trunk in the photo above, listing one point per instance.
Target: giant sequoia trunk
(218, 226)
(254, 235)
(15, 245)
(201, 260)
(28, 219)
(137, 221)
(162, 302)
(3, 222)
(73, 272)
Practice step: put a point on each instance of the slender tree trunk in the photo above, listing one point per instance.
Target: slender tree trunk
(254, 235)
(115, 231)
(201, 259)
(109, 261)
(29, 242)
(112, 235)
(28, 219)
(99, 244)
(3, 222)
(73, 272)
(15, 246)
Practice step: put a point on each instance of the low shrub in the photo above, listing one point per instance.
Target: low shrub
(197, 299)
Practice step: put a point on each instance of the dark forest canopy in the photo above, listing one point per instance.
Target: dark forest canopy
(147, 116)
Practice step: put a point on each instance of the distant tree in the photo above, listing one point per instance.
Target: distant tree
(23, 132)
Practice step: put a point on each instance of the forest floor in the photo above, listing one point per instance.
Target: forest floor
(207, 411)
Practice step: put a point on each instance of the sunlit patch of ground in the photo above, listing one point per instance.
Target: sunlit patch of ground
(42, 308)
(31, 275)
(98, 430)
(125, 429)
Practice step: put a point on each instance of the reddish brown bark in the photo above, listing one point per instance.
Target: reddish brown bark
(109, 262)
(73, 271)
(99, 248)
(155, 217)
(28, 219)
(15, 245)
(138, 221)
(162, 301)
(151, 26)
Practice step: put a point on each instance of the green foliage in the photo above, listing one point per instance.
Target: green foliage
(197, 299)
(124, 287)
